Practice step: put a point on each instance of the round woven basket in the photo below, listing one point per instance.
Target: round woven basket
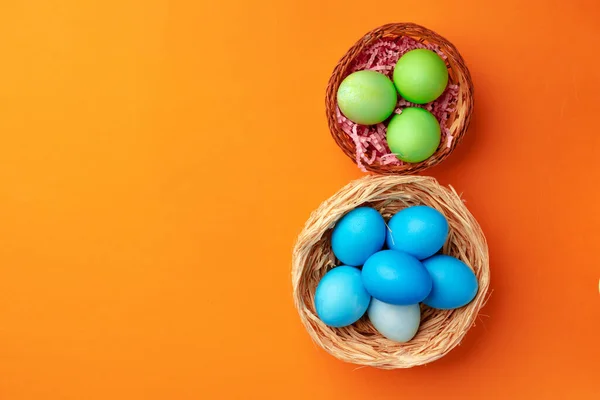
(360, 343)
(458, 120)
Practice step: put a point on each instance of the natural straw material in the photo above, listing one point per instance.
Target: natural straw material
(360, 343)
(458, 120)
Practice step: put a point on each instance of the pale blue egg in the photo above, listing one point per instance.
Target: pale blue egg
(396, 278)
(454, 283)
(397, 323)
(340, 298)
(420, 231)
(358, 235)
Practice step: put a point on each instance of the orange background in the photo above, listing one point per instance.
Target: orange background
(159, 157)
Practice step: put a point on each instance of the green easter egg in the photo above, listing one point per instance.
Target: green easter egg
(420, 76)
(367, 97)
(413, 135)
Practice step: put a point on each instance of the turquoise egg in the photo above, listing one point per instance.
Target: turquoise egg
(396, 278)
(358, 235)
(420, 231)
(340, 298)
(454, 283)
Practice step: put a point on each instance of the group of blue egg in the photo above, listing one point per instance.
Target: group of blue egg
(401, 267)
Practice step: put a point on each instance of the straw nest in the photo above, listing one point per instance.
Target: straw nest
(360, 343)
(458, 120)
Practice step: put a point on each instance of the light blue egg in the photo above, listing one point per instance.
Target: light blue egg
(397, 323)
(396, 278)
(454, 283)
(358, 235)
(340, 298)
(420, 231)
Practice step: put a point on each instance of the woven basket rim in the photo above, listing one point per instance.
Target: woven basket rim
(441, 330)
(458, 121)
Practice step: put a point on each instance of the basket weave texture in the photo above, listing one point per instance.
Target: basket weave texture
(458, 120)
(440, 330)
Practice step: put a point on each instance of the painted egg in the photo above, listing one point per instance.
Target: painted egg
(454, 283)
(367, 97)
(420, 231)
(397, 323)
(340, 298)
(358, 235)
(396, 278)
(414, 135)
(421, 76)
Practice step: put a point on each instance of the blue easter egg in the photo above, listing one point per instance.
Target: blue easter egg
(454, 283)
(420, 231)
(358, 235)
(340, 298)
(396, 278)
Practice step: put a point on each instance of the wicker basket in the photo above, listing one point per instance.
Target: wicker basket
(360, 343)
(457, 122)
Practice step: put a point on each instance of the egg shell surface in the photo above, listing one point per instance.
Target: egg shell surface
(358, 235)
(340, 298)
(397, 323)
(420, 231)
(420, 76)
(367, 97)
(396, 278)
(413, 135)
(454, 283)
